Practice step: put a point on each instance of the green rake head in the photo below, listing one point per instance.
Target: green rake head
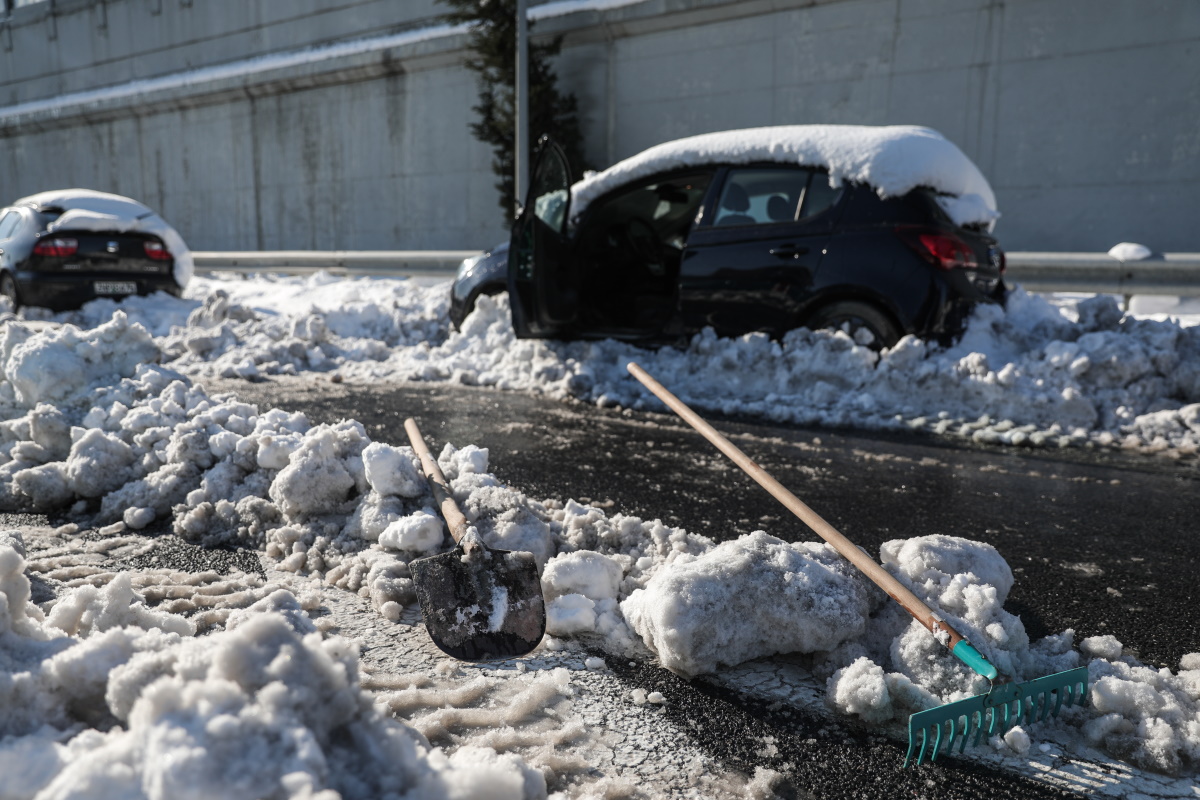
(1006, 705)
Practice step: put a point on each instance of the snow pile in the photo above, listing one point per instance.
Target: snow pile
(600, 561)
(893, 159)
(150, 446)
(758, 596)
(85, 209)
(1146, 716)
(229, 339)
(700, 607)
(1031, 374)
(134, 706)
(57, 364)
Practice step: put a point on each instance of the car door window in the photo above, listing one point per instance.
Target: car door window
(8, 224)
(550, 195)
(761, 196)
(635, 224)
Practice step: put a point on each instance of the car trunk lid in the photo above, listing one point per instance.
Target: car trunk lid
(103, 251)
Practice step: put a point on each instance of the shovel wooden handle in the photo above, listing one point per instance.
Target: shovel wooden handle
(881, 577)
(455, 519)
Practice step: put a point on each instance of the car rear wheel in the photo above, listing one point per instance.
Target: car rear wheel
(8, 288)
(858, 319)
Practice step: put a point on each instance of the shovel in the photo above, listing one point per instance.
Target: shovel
(478, 604)
(1004, 705)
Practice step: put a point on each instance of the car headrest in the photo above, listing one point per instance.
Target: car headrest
(735, 198)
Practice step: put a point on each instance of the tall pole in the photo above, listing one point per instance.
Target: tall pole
(522, 102)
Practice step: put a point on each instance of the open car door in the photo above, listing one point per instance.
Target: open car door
(542, 283)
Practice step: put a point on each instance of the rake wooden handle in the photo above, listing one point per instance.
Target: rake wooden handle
(880, 576)
(455, 519)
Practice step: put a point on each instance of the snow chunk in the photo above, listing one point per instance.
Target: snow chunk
(88, 609)
(393, 470)
(57, 364)
(584, 572)
(861, 689)
(945, 568)
(421, 532)
(1106, 647)
(748, 598)
(1130, 251)
(570, 614)
(318, 478)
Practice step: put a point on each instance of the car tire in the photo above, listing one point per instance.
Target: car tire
(8, 288)
(855, 315)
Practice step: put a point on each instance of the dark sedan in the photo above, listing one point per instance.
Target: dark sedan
(61, 249)
(742, 244)
(486, 273)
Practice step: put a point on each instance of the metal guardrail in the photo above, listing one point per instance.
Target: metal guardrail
(1169, 274)
(438, 263)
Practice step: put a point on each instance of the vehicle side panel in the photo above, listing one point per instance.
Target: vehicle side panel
(750, 278)
(873, 265)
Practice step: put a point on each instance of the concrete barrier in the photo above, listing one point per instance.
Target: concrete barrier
(1168, 274)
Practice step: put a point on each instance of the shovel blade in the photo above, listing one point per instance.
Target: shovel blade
(481, 604)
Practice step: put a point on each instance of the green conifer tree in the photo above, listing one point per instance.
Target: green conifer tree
(493, 40)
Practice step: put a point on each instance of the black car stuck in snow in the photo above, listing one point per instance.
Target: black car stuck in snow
(881, 232)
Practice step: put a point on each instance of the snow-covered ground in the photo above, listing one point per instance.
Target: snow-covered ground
(147, 681)
(1045, 372)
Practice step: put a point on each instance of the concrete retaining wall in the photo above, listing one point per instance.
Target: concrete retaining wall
(352, 131)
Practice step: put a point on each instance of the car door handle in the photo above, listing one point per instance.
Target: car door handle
(788, 251)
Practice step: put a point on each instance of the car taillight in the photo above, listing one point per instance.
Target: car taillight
(58, 247)
(157, 251)
(943, 250)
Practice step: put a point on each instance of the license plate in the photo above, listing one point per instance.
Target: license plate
(115, 287)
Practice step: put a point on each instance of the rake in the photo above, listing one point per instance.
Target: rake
(1004, 705)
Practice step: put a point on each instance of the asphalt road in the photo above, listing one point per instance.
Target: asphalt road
(1099, 542)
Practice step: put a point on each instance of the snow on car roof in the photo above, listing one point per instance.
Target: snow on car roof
(87, 200)
(893, 159)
